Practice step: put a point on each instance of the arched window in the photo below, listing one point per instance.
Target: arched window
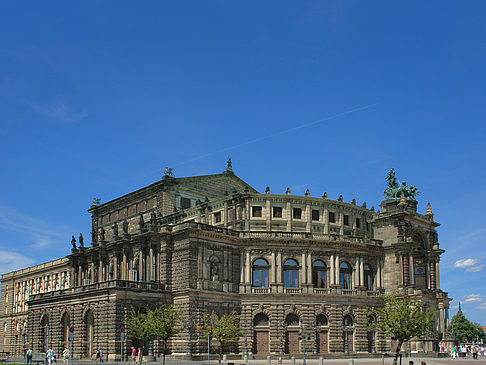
(368, 277)
(291, 273)
(292, 320)
(345, 275)
(319, 274)
(260, 273)
(321, 320)
(347, 321)
(260, 319)
(89, 335)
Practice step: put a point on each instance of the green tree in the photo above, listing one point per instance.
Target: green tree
(402, 319)
(159, 324)
(464, 330)
(224, 329)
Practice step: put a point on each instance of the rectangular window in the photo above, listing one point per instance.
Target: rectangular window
(277, 212)
(315, 215)
(346, 220)
(297, 213)
(358, 223)
(367, 226)
(256, 211)
(185, 203)
(332, 217)
(217, 217)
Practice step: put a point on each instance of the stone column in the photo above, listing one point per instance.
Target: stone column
(308, 217)
(356, 272)
(247, 215)
(115, 267)
(288, 211)
(124, 268)
(303, 269)
(242, 265)
(100, 271)
(326, 220)
(332, 279)
(406, 270)
(268, 214)
(309, 266)
(433, 275)
(336, 280)
(279, 267)
(361, 271)
(151, 265)
(411, 270)
(437, 275)
(378, 273)
(140, 265)
(273, 268)
(248, 267)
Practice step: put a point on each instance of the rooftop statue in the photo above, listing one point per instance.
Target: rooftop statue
(169, 172)
(395, 189)
(229, 165)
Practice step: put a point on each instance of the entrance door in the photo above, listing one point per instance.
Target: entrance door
(322, 342)
(261, 342)
(292, 342)
(371, 341)
(348, 341)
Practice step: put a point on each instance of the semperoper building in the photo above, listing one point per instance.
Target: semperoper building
(286, 263)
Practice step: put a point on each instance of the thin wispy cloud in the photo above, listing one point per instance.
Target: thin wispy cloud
(472, 298)
(10, 261)
(58, 111)
(481, 306)
(41, 233)
(471, 265)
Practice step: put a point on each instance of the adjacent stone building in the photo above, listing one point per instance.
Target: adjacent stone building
(288, 264)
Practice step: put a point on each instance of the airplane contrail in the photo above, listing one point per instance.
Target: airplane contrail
(305, 125)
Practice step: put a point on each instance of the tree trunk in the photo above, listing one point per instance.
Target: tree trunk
(220, 350)
(397, 352)
(163, 352)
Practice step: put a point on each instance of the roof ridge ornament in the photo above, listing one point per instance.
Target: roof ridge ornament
(395, 189)
(229, 166)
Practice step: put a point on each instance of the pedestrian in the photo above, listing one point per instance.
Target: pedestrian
(101, 355)
(97, 356)
(134, 354)
(474, 350)
(29, 356)
(140, 355)
(50, 356)
(66, 354)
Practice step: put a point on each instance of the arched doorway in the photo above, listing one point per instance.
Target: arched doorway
(44, 337)
(89, 335)
(65, 324)
(261, 334)
(292, 336)
(348, 331)
(322, 326)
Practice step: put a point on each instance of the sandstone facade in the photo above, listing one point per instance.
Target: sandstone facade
(286, 263)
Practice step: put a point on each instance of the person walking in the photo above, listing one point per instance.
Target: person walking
(50, 356)
(101, 355)
(28, 356)
(134, 354)
(66, 354)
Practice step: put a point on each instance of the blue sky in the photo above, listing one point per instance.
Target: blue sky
(97, 98)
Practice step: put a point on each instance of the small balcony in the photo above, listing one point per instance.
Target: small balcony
(292, 290)
(260, 290)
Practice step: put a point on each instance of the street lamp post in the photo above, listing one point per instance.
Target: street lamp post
(209, 343)
(304, 336)
(189, 347)
(245, 349)
(46, 329)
